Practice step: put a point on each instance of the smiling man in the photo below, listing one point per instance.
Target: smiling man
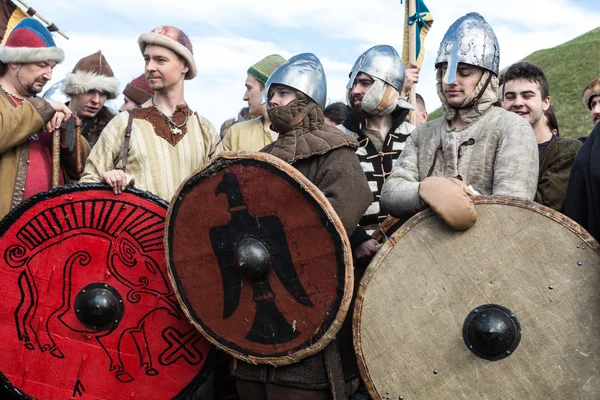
(89, 85)
(475, 148)
(527, 93)
(255, 134)
(168, 140)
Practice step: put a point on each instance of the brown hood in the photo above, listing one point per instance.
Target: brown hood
(302, 131)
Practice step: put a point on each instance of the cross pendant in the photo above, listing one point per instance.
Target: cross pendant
(176, 131)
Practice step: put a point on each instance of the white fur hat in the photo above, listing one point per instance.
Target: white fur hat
(92, 73)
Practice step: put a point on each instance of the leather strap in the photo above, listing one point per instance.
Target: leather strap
(125, 149)
(387, 99)
(337, 384)
(301, 115)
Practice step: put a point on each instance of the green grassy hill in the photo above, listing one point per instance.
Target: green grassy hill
(569, 67)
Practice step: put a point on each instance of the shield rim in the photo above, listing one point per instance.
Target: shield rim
(314, 192)
(14, 214)
(407, 227)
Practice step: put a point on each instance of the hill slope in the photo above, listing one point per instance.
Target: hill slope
(569, 68)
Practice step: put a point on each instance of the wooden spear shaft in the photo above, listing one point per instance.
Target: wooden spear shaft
(55, 158)
(78, 143)
(412, 57)
(43, 19)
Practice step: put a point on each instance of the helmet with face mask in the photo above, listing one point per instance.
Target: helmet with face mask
(470, 40)
(304, 73)
(384, 65)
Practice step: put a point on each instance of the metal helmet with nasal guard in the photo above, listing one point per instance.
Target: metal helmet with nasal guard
(303, 72)
(470, 40)
(383, 62)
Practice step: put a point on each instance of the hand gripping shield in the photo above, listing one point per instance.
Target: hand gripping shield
(260, 260)
(506, 309)
(87, 308)
(383, 62)
(303, 72)
(470, 40)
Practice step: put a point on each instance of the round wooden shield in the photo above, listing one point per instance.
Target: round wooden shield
(509, 309)
(260, 260)
(87, 309)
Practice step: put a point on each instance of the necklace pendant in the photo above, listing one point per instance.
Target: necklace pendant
(35, 136)
(176, 131)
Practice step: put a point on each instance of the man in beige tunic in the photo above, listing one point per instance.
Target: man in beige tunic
(476, 148)
(254, 134)
(168, 140)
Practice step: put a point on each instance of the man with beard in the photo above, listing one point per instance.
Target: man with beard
(91, 83)
(256, 133)
(476, 147)
(376, 118)
(296, 93)
(527, 93)
(136, 93)
(26, 121)
(158, 146)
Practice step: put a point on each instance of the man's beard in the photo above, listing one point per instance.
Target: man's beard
(356, 109)
(30, 88)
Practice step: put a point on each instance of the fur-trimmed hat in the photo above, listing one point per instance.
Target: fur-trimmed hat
(173, 39)
(593, 89)
(30, 42)
(138, 90)
(92, 73)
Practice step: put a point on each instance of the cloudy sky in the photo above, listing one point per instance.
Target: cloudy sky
(230, 35)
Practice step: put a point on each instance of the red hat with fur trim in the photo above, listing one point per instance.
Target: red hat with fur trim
(138, 90)
(173, 39)
(92, 73)
(30, 42)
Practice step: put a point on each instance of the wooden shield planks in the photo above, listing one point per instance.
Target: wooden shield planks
(256, 202)
(88, 310)
(424, 282)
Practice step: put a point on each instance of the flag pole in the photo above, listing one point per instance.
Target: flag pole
(32, 12)
(412, 58)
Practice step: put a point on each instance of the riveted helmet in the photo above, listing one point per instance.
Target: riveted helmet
(383, 62)
(303, 72)
(470, 40)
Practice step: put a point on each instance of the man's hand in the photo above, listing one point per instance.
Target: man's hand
(63, 113)
(117, 180)
(365, 251)
(451, 200)
(56, 121)
(411, 77)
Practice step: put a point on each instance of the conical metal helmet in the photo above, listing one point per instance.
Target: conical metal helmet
(303, 72)
(470, 40)
(383, 62)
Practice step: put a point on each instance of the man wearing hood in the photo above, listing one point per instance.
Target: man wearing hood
(476, 148)
(376, 118)
(296, 93)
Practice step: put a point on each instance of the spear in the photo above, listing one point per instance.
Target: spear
(51, 26)
(412, 58)
(55, 158)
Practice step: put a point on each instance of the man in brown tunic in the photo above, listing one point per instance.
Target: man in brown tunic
(327, 158)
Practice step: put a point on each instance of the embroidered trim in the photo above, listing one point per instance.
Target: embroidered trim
(159, 123)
